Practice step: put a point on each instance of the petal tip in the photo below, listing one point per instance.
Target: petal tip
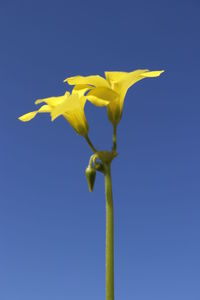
(21, 119)
(152, 73)
(37, 101)
(27, 117)
(53, 117)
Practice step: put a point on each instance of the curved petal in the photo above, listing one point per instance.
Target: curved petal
(130, 79)
(135, 76)
(94, 80)
(73, 111)
(114, 76)
(29, 116)
(121, 82)
(81, 89)
(101, 96)
(45, 109)
(78, 122)
(53, 101)
(97, 102)
(114, 111)
(152, 73)
(71, 103)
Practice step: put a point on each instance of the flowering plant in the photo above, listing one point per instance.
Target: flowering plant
(110, 92)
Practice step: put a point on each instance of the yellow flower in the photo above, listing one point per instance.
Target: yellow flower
(71, 107)
(111, 91)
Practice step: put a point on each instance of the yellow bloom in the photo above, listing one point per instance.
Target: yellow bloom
(111, 91)
(71, 107)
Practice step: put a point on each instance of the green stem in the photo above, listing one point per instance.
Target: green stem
(90, 144)
(109, 235)
(114, 138)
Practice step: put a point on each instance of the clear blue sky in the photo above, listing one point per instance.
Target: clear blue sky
(52, 230)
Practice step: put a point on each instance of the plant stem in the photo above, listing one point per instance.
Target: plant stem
(114, 138)
(90, 144)
(109, 235)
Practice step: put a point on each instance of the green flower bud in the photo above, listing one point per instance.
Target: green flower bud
(90, 173)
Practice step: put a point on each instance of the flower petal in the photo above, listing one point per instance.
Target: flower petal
(72, 103)
(121, 82)
(114, 76)
(78, 122)
(94, 80)
(114, 111)
(45, 109)
(101, 96)
(53, 101)
(73, 111)
(81, 89)
(131, 78)
(29, 116)
(153, 73)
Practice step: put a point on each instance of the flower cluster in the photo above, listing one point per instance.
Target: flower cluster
(109, 91)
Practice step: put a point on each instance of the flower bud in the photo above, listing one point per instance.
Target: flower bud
(90, 173)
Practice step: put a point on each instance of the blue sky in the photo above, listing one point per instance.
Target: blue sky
(52, 230)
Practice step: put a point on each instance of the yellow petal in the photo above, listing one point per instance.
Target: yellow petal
(71, 103)
(81, 89)
(153, 73)
(114, 76)
(121, 82)
(114, 111)
(53, 101)
(97, 102)
(27, 117)
(94, 80)
(101, 96)
(131, 78)
(78, 122)
(73, 111)
(45, 109)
